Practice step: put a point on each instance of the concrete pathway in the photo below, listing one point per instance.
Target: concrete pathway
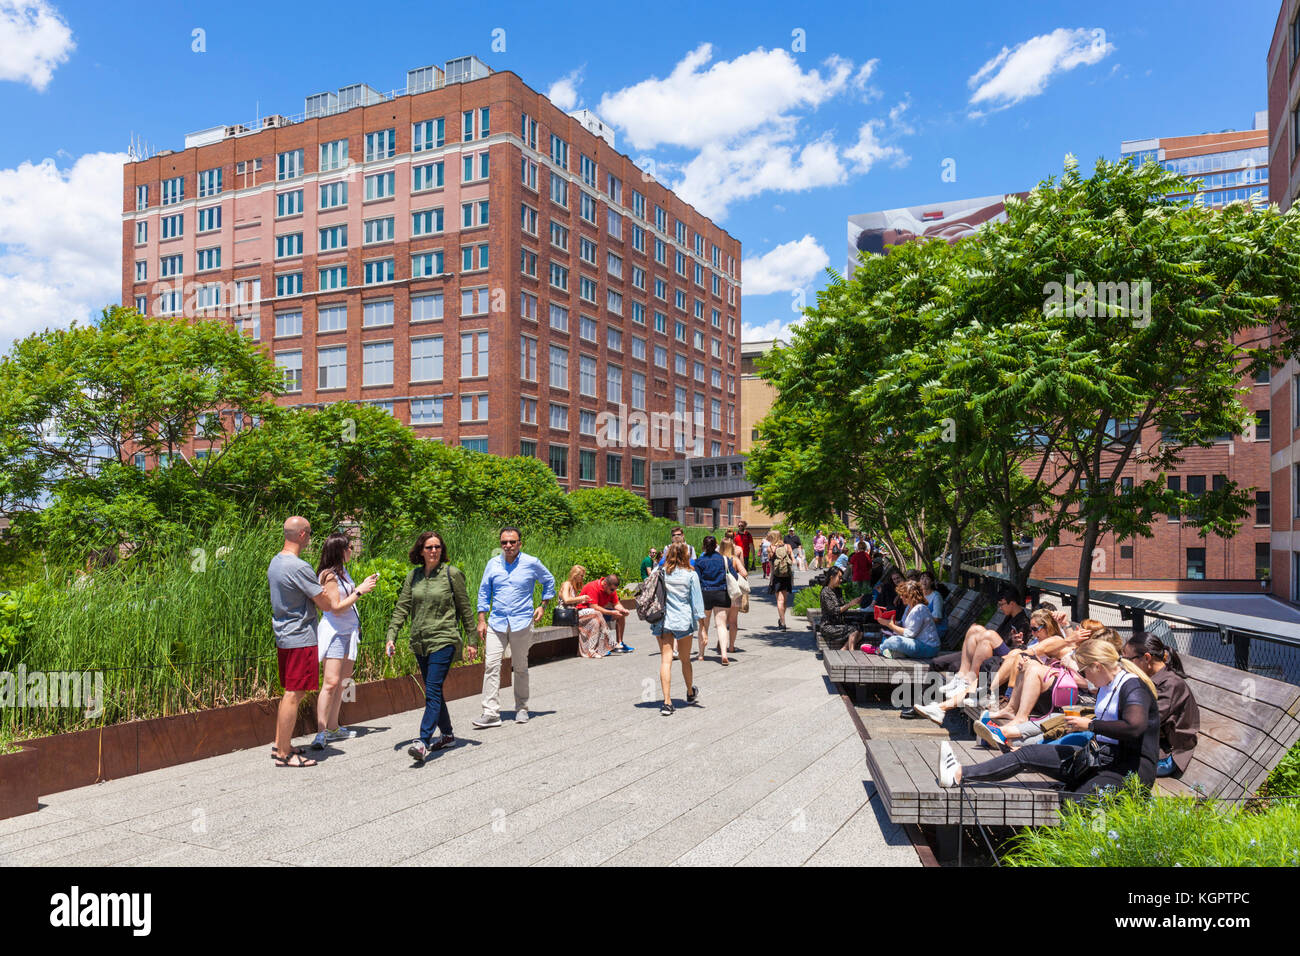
(767, 769)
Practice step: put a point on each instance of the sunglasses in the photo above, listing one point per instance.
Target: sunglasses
(433, 547)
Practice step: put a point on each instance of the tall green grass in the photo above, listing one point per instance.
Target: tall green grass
(191, 629)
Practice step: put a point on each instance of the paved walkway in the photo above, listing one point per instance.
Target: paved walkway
(767, 769)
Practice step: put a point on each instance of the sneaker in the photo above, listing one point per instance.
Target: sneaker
(488, 720)
(666, 710)
(990, 734)
(521, 716)
(933, 711)
(418, 751)
(954, 685)
(886, 652)
(628, 648)
(948, 765)
(318, 742)
(339, 733)
(694, 696)
(441, 742)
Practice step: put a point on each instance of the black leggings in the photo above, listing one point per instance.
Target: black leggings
(1052, 760)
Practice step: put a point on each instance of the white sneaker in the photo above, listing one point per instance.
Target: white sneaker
(948, 765)
(932, 711)
(521, 716)
(954, 685)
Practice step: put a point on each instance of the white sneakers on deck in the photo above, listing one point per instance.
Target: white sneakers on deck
(932, 711)
(948, 765)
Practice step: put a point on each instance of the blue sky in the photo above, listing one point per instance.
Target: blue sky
(780, 125)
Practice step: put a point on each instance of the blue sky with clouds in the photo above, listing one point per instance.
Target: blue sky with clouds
(779, 124)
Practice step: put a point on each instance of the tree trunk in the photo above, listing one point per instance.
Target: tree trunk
(954, 552)
(1090, 535)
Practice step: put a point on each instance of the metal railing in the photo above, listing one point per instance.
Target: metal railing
(1246, 642)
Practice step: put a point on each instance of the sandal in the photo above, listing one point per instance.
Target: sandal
(294, 759)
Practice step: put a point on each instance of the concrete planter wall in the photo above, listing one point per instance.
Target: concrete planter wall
(67, 761)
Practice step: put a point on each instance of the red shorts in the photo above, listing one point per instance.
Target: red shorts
(299, 668)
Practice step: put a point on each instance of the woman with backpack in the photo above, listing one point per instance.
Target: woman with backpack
(435, 599)
(683, 607)
(782, 556)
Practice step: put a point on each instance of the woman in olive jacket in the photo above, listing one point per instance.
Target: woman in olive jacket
(435, 599)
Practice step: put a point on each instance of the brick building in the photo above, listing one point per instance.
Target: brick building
(1283, 79)
(462, 253)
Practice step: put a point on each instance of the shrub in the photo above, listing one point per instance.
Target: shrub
(1284, 781)
(591, 505)
(1128, 828)
(599, 562)
(804, 598)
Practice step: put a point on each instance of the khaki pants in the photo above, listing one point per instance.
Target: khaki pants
(496, 643)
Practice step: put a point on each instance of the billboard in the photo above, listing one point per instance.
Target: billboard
(950, 220)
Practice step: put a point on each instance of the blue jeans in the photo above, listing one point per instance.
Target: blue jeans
(434, 668)
(1166, 767)
(908, 647)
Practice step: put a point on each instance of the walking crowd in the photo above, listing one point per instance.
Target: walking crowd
(317, 626)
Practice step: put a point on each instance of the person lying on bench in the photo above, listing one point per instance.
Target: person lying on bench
(1050, 639)
(1126, 732)
(1035, 675)
(917, 637)
(1180, 716)
(982, 644)
(833, 629)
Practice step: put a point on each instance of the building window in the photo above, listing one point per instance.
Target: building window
(333, 195)
(586, 375)
(335, 277)
(141, 270)
(426, 222)
(474, 301)
(1263, 560)
(473, 408)
(141, 233)
(290, 365)
(528, 306)
(528, 174)
(380, 186)
(427, 176)
(381, 144)
(1174, 483)
(209, 183)
(559, 318)
(559, 417)
(426, 307)
(1263, 509)
(638, 472)
(559, 152)
(426, 411)
(475, 167)
(209, 219)
(528, 262)
(613, 469)
(173, 226)
(559, 277)
(141, 197)
(378, 230)
(1263, 428)
(527, 358)
(586, 422)
(1196, 564)
(587, 207)
(473, 354)
(528, 411)
(288, 246)
(559, 236)
(559, 367)
(527, 449)
(587, 328)
(380, 270)
(474, 258)
(586, 465)
(587, 289)
(288, 284)
(171, 265)
(332, 318)
(426, 359)
(474, 214)
(377, 363)
(288, 204)
(377, 313)
(429, 134)
(333, 155)
(427, 265)
(173, 190)
(332, 365)
(638, 391)
(334, 237)
(209, 259)
(559, 460)
(288, 165)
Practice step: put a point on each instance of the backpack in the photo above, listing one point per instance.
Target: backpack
(782, 562)
(652, 597)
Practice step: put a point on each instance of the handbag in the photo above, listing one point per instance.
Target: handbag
(565, 617)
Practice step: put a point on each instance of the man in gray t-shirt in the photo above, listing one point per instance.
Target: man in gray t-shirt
(293, 612)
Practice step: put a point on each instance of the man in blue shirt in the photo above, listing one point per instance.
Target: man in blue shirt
(679, 537)
(506, 618)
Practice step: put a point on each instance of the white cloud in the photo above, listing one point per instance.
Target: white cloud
(1024, 71)
(34, 39)
(694, 107)
(868, 151)
(723, 173)
(738, 124)
(790, 266)
(772, 329)
(564, 91)
(60, 243)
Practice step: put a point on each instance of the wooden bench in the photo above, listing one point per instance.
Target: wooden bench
(1248, 723)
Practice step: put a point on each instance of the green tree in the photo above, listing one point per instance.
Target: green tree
(592, 505)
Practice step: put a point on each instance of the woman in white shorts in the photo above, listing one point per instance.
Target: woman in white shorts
(336, 638)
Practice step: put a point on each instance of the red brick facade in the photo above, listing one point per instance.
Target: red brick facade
(250, 225)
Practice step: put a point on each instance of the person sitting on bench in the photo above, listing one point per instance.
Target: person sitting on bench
(983, 644)
(1126, 732)
(917, 637)
(833, 629)
(1180, 716)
